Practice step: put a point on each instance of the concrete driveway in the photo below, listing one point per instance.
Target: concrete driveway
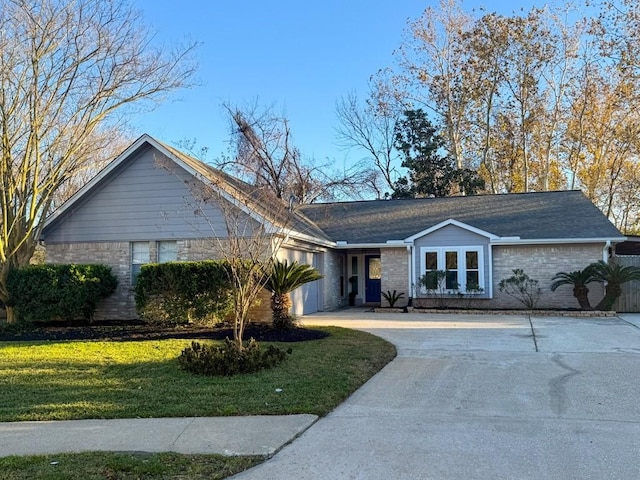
(481, 397)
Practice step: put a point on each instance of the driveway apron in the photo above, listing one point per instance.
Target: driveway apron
(481, 397)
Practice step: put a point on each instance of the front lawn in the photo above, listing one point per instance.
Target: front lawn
(101, 465)
(95, 379)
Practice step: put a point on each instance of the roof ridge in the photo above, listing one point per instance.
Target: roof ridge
(450, 197)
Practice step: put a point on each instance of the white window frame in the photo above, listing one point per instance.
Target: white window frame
(136, 263)
(462, 266)
(159, 245)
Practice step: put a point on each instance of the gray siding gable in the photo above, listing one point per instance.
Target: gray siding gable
(146, 197)
(451, 236)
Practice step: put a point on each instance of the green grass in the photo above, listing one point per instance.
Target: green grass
(80, 380)
(99, 465)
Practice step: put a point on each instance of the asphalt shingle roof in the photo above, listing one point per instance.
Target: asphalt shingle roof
(543, 215)
(257, 199)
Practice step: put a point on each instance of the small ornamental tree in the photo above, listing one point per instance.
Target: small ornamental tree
(522, 287)
(442, 285)
(249, 231)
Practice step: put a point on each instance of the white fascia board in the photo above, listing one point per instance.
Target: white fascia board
(549, 241)
(311, 239)
(456, 223)
(341, 245)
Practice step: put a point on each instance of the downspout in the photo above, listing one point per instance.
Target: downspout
(490, 259)
(409, 275)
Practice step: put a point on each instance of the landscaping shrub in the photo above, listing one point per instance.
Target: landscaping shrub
(59, 292)
(392, 297)
(184, 292)
(522, 287)
(227, 359)
(441, 285)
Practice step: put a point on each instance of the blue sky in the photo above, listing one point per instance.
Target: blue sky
(301, 56)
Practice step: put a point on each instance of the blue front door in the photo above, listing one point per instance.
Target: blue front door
(372, 275)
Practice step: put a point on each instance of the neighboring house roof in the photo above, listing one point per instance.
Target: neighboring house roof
(532, 216)
(629, 247)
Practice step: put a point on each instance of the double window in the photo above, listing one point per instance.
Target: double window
(453, 269)
(166, 251)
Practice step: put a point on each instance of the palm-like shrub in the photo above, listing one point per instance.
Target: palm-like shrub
(392, 297)
(579, 280)
(614, 275)
(283, 278)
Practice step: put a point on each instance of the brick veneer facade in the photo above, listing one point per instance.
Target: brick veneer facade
(117, 255)
(394, 263)
(121, 305)
(540, 262)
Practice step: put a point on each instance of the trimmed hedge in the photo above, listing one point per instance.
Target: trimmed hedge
(184, 292)
(59, 292)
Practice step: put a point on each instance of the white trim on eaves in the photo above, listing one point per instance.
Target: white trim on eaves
(548, 241)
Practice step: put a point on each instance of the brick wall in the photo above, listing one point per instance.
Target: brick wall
(117, 255)
(542, 262)
(121, 305)
(333, 271)
(394, 262)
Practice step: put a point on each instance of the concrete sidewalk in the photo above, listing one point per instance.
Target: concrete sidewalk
(255, 435)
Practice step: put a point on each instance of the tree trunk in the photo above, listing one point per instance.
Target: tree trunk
(280, 305)
(11, 315)
(582, 295)
(612, 292)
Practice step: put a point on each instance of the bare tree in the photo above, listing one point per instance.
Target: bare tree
(247, 235)
(264, 155)
(369, 128)
(431, 72)
(108, 143)
(68, 70)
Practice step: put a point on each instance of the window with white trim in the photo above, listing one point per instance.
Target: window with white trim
(140, 254)
(463, 267)
(167, 251)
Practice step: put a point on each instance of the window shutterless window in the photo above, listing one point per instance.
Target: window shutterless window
(140, 254)
(167, 251)
(463, 267)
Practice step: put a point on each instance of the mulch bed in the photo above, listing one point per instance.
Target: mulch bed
(130, 331)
